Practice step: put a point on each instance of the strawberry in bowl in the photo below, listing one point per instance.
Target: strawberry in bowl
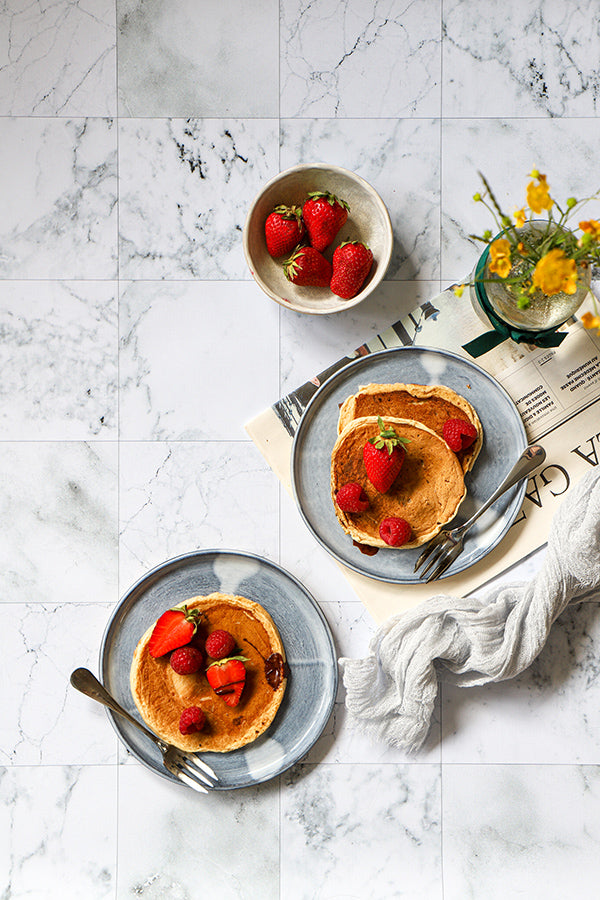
(338, 206)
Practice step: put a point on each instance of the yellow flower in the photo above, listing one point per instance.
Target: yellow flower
(591, 321)
(520, 218)
(555, 272)
(592, 227)
(538, 196)
(458, 290)
(522, 249)
(500, 257)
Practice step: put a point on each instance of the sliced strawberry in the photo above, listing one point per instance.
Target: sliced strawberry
(227, 678)
(174, 629)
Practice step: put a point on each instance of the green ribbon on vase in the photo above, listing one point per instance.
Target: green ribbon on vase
(502, 330)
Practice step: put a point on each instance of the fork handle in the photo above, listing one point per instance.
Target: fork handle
(532, 457)
(86, 682)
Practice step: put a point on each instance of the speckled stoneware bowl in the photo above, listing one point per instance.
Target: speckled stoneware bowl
(368, 221)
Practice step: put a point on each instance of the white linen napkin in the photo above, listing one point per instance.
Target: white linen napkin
(470, 641)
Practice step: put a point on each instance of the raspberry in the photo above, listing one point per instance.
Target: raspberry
(394, 531)
(459, 434)
(352, 498)
(192, 719)
(187, 660)
(219, 644)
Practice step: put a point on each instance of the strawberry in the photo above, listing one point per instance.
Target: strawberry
(351, 497)
(219, 644)
(186, 660)
(323, 214)
(308, 267)
(352, 262)
(459, 434)
(174, 628)
(227, 677)
(284, 229)
(383, 456)
(192, 719)
(394, 531)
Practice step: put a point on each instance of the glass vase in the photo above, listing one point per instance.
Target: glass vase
(544, 313)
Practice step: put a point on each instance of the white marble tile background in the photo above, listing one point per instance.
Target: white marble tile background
(134, 345)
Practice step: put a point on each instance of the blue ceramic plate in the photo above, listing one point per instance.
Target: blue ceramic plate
(310, 651)
(503, 442)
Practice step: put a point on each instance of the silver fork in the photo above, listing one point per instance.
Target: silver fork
(447, 545)
(189, 768)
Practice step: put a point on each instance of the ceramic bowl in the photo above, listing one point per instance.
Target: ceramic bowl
(368, 221)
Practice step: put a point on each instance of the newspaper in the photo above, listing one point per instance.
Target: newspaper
(556, 390)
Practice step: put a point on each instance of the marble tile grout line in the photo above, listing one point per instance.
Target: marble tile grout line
(119, 768)
(315, 118)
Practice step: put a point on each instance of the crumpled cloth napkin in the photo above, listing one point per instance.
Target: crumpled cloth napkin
(470, 641)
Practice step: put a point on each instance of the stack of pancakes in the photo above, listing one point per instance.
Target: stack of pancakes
(430, 486)
(161, 694)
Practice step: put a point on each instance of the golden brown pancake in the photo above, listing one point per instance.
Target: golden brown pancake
(161, 694)
(427, 492)
(432, 405)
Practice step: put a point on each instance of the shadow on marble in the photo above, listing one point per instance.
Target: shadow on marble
(58, 516)
(532, 831)
(222, 844)
(190, 59)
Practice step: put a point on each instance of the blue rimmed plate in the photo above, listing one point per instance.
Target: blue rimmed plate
(504, 440)
(310, 651)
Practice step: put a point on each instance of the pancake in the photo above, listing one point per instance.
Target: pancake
(427, 492)
(161, 694)
(432, 405)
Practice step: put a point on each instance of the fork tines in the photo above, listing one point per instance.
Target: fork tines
(194, 772)
(433, 544)
(443, 551)
(445, 563)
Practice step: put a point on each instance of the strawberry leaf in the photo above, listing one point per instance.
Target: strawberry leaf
(387, 438)
(222, 662)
